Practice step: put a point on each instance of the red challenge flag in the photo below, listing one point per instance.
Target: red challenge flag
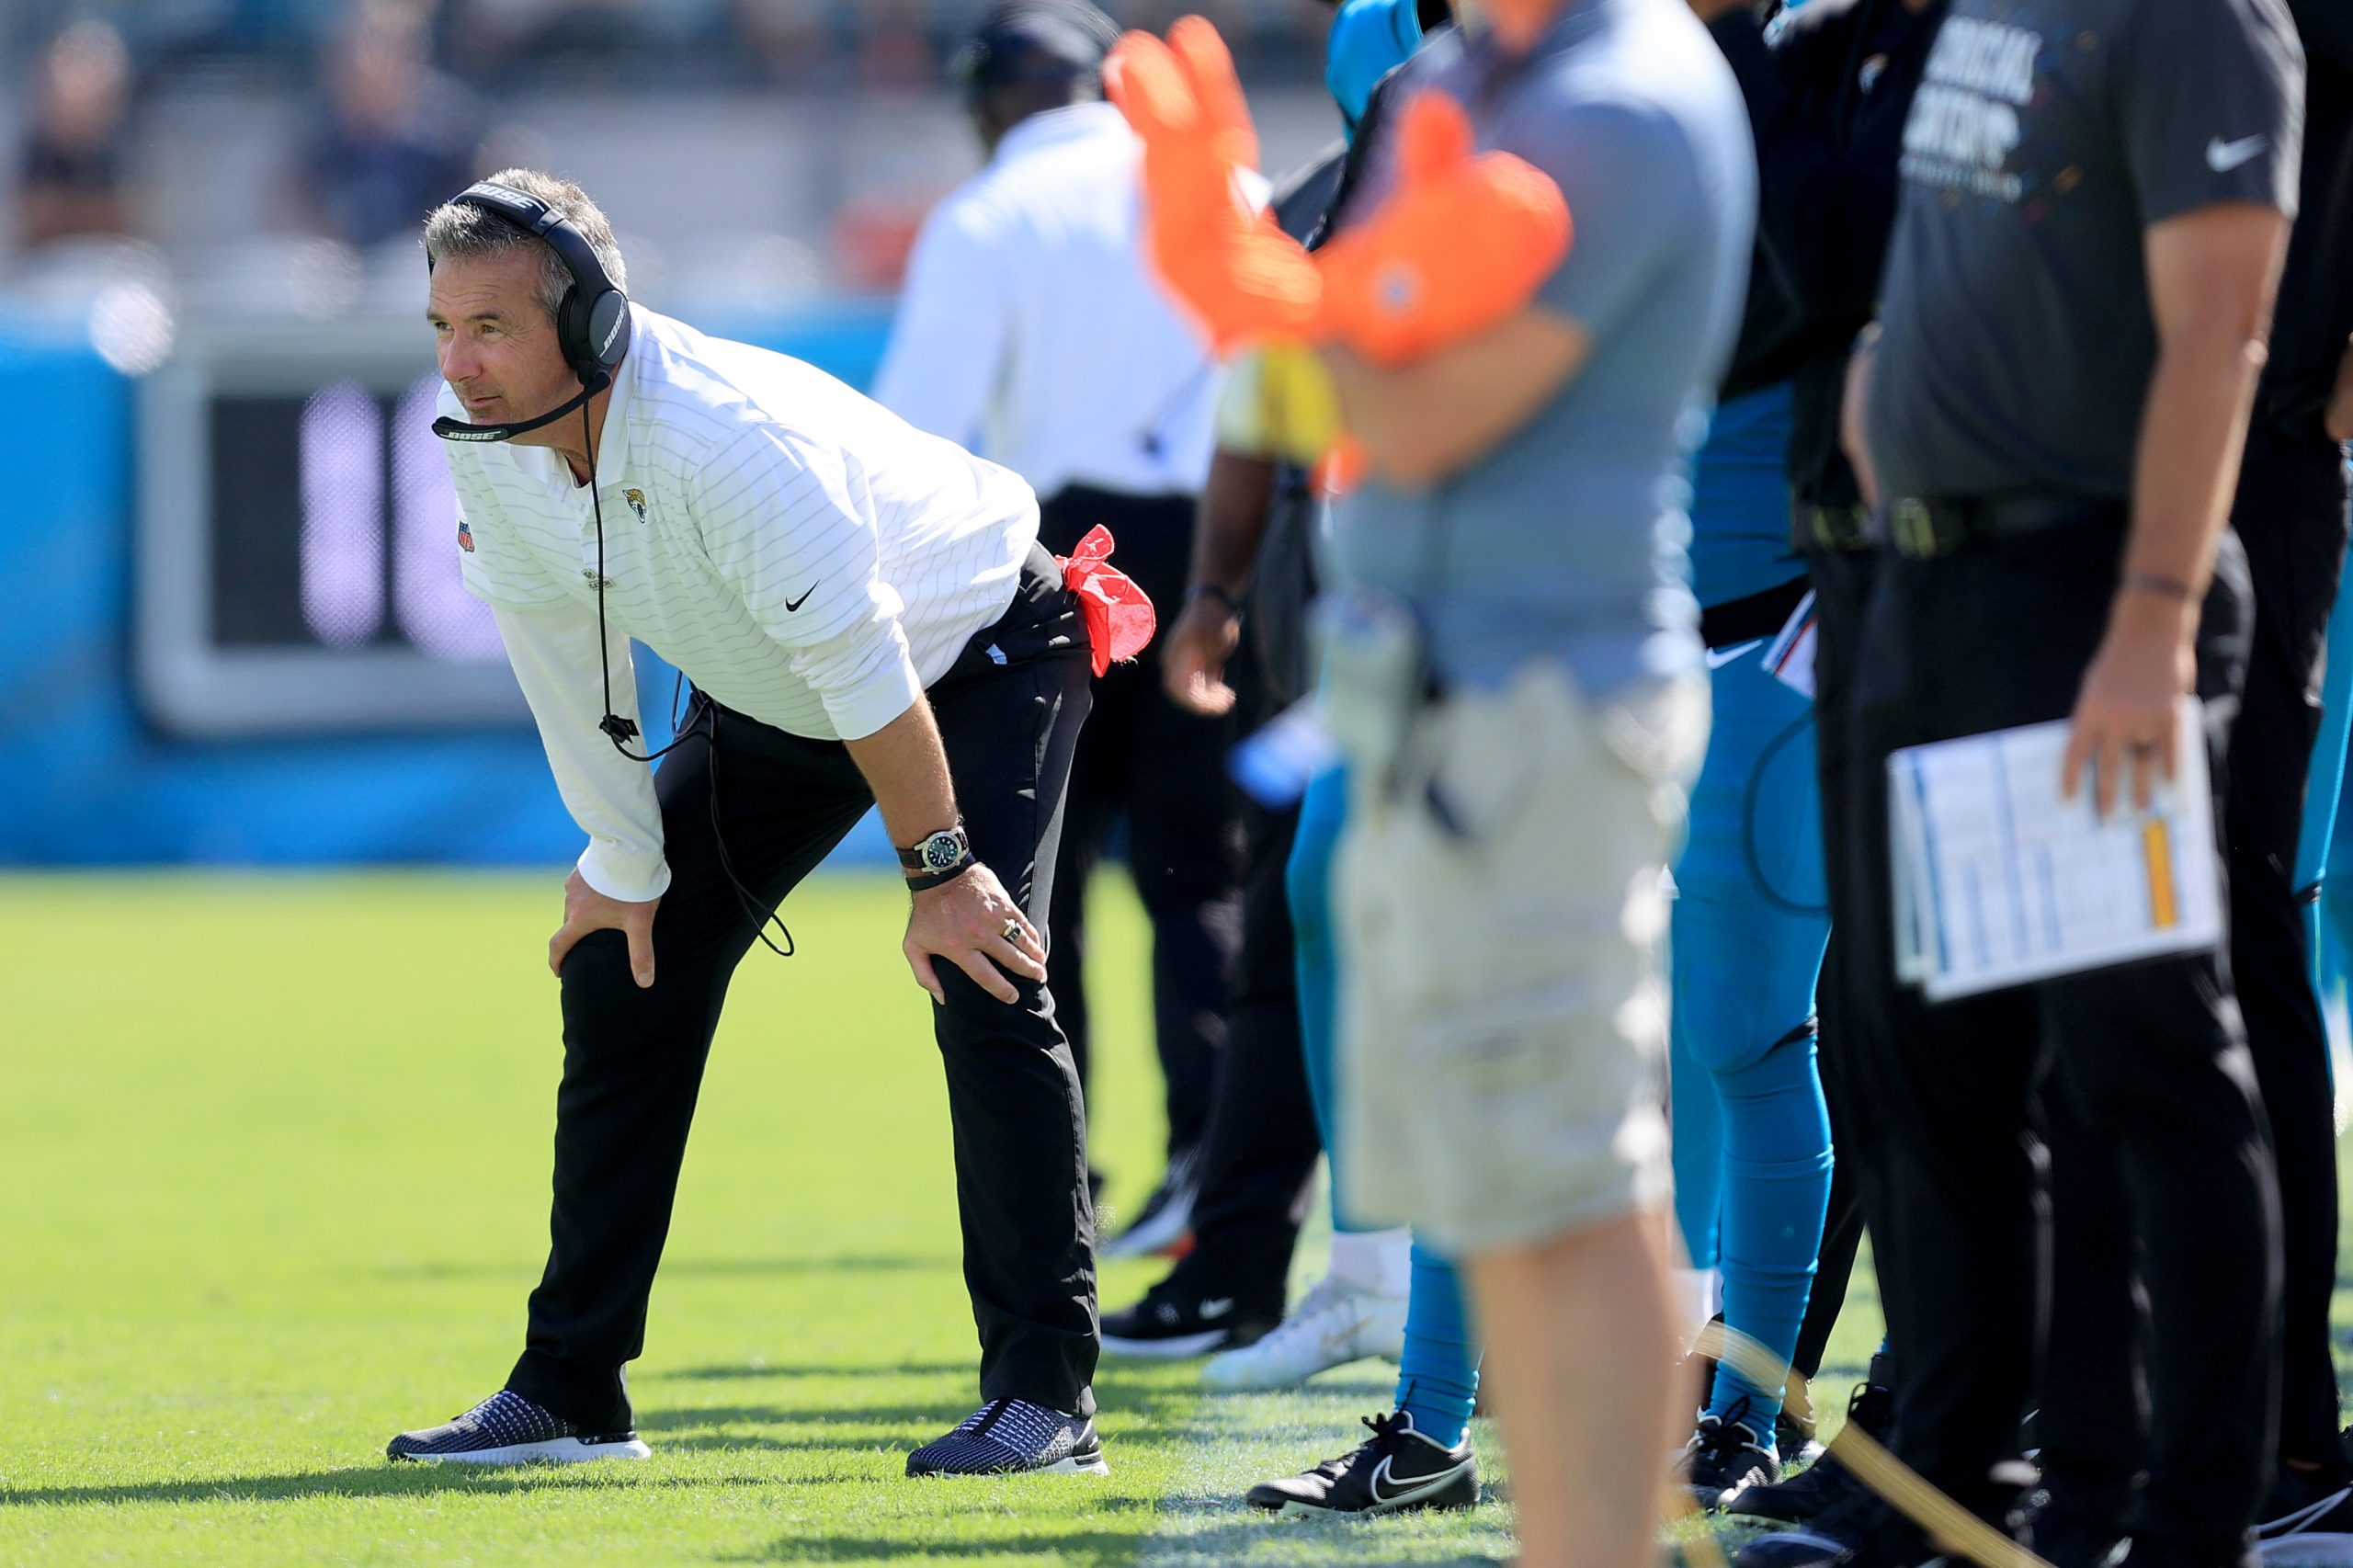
(1120, 619)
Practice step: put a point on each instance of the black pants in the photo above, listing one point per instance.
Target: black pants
(1842, 587)
(1162, 771)
(1257, 1170)
(2149, 1062)
(2290, 515)
(774, 805)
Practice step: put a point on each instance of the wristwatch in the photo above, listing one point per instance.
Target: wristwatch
(938, 858)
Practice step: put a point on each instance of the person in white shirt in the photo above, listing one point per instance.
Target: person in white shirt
(1031, 330)
(868, 619)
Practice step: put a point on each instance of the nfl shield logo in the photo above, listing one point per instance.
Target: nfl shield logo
(465, 537)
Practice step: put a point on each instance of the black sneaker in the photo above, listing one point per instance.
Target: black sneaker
(1861, 1532)
(1167, 1216)
(2306, 1521)
(2066, 1542)
(1011, 1436)
(1172, 1322)
(1825, 1482)
(1397, 1471)
(1724, 1456)
(506, 1428)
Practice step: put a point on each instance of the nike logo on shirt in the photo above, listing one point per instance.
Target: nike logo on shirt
(792, 605)
(2223, 156)
(1719, 657)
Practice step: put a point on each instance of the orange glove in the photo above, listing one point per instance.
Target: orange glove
(1460, 245)
(1239, 274)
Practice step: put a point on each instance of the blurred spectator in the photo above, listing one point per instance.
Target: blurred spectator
(894, 52)
(789, 40)
(393, 138)
(561, 35)
(71, 182)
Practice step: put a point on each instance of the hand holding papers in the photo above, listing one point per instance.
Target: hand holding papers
(2000, 880)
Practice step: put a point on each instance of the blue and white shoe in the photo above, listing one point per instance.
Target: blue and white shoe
(1012, 1437)
(506, 1428)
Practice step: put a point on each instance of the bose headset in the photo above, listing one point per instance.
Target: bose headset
(592, 328)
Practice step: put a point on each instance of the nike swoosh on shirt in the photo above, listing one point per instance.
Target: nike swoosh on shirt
(1380, 1476)
(1719, 657)
(792, 605)
(2223, 156)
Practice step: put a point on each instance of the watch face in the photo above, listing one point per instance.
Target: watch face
(940, 851)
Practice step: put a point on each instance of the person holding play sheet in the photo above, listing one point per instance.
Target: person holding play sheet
(2096, 205)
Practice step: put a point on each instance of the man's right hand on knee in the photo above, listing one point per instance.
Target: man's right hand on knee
(586, 910)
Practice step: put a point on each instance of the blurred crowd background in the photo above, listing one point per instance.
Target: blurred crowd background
(238, 637)
(263, 154)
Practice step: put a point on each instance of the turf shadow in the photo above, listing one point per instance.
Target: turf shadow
(1097, 1548)
(378, 1480)
(694, 1267)
(744, 1371)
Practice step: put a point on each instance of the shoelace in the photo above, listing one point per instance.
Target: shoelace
(1387, 1429)
(1726, 1438)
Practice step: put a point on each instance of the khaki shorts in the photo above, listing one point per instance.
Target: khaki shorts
(1501, 907)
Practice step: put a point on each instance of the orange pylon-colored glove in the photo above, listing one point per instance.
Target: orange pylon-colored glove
(1461, 245)
(1241, 276)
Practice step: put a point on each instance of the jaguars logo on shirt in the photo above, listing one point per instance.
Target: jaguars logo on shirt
(636, 499)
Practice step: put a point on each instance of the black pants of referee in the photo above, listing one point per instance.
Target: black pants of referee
(1146, 762)
(2290, 515)
(773, 805)
(2149, 1061)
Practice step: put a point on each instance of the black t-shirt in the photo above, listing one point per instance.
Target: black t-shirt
(1827, 88)
(2315, 312)
(2047, 137)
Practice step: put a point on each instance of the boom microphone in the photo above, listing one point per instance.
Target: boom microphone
(458, 430)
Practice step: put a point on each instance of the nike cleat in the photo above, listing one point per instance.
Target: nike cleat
(1397, 1471)
(1335, 1322)
(1168, 1325)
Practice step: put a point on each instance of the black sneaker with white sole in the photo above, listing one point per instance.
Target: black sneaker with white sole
(1012, 1437)
(1173, 1321)
(1399, 1469)
(1825, 1482)
(506, 1428)
(1725, 1455)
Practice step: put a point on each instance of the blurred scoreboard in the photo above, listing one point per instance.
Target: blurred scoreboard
(298, 558)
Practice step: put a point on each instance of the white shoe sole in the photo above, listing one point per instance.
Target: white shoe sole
(2299, 1551)
(1096, 1466)
(555, 1450)
(1173, 1349)
(1297, 1510)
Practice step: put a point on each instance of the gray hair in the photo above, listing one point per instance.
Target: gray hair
(455, 229)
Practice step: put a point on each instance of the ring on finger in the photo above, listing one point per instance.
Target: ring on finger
(1012, 932)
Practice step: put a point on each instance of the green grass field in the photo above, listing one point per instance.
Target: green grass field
(276, 1159)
